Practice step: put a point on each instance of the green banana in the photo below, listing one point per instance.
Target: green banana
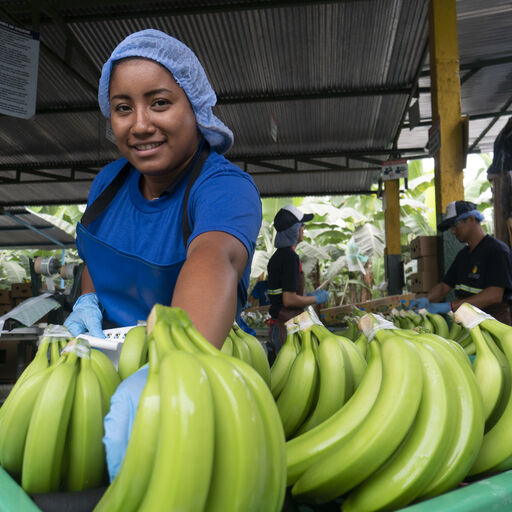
(46, 436)
(241, 349)
(86, 466)
(357, 360)
(380, 433)
(335, 382)
(427, 325)
(488, 373)
(469, 429)
(440, 325)
(227, 347)
(54, 351)
(275, 465)
(295, 401)
(362, 344)
(107, 375)
(181, 340)
(415, 463)
(127, 490)
(307, 449)
(258, 354)
(134, 351)
(238, 475)
(16, 420)
(184, 455)
(161, 335)
(280, 370)
(39, 363)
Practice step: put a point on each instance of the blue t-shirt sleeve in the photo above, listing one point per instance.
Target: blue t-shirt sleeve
(227, 201)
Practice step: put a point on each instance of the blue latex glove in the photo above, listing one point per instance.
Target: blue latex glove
(321, 296)
(119, 420)
(420, 303)
(87, 316)
(439, 307)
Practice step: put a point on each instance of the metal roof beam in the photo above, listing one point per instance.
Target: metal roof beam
(478, 64)
(321, 171)
(490, 125)
(474, 117)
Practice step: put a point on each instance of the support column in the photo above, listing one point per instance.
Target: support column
(393, 257)
(446, 110)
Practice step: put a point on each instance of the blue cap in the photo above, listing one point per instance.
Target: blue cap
(186, 69)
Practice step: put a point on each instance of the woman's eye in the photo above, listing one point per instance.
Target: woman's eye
(122, 108)
(161, 103)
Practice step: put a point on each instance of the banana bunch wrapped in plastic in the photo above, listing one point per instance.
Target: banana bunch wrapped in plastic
(207, 433)
(412, 427)
(51, 424)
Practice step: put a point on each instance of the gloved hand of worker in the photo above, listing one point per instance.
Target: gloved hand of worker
(420, 303)
(439, 307)
(321, 296)
(86, 317)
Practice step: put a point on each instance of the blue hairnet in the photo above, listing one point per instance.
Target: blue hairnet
(186, 69)
(288, 237)
(473, 213)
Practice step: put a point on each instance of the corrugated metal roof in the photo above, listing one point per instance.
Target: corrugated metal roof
(335, 77)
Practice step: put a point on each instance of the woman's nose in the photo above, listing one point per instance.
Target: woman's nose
(142, 122)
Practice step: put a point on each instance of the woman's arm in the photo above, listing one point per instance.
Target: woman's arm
(207, 284)
(86, 283)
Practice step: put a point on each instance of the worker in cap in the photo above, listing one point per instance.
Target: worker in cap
(286, 284)
(172, 221)
(481, 273)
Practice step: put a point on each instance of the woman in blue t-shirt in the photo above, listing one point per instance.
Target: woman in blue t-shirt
(173, 221)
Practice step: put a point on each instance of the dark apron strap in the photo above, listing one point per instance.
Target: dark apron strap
(104, 199)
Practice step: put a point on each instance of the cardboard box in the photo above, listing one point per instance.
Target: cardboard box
(428, 264)
(5, 297)
(8, 360)
(423, 246)
(423, 282)
(5, 308)
(337, 314)
(19, 290)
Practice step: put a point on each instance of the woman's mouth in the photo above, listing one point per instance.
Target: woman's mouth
(147, 148)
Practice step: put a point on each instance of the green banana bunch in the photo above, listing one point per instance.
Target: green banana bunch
(426, 325)
(309, 448)
(134, 351)
(497, 443)
(488, 373)
(414, 465)
(335, 382)
(238, 475)
(455, 328)
(39, 363)
(507, 379)
(258, 354)
(182, 469)
(107, 375)
(46, 436)
(127, 490)
(86, 464)
(15, 421)
(280, 370)
(378, 435)
(295, 401)
(469, 428)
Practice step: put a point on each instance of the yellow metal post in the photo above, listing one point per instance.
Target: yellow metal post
(392, 217)
(445, 97)
(394, 269)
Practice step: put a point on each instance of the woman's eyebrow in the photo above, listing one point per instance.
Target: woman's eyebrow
(147, 94)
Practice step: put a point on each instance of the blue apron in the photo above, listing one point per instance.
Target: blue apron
(129, 286)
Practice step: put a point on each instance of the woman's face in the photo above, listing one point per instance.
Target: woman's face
(152, 120)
